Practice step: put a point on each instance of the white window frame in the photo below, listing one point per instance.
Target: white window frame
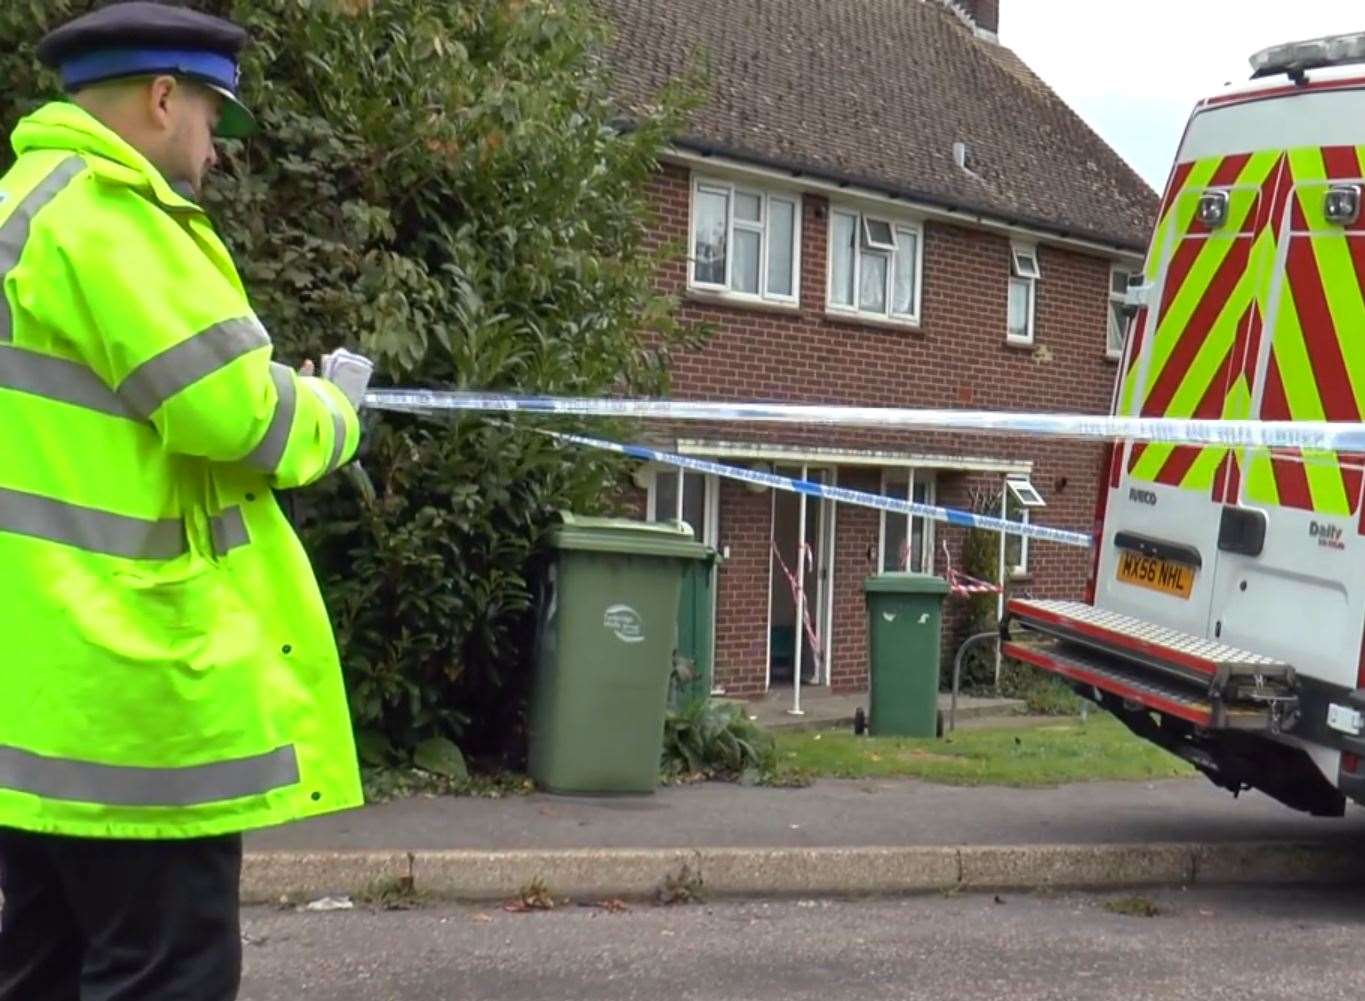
(1114, 335)
(1024, 491)
(864, 244)
(707, 533)
(1020, 488)
(1026, 272)
(871, 242)
(1021, 568)
(766, 196)
(930, 497)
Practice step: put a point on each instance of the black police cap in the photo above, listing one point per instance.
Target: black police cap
(138, 38)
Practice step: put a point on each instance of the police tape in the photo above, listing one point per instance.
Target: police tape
(952, 516)
(1326, 436)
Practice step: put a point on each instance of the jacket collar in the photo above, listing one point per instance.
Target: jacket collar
(61, 125)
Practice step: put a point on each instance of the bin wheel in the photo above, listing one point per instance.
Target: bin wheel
(859, 722)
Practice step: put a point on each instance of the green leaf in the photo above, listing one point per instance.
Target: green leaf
(441, 757)
(373, 747)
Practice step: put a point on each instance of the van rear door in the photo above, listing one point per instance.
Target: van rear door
(1186, 357)
(1290, 580)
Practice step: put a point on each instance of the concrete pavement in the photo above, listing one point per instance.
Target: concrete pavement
(835, 837)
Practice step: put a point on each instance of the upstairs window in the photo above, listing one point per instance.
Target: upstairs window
(1118, 317)
(875, 267)
(1023, 293)
(744, 242)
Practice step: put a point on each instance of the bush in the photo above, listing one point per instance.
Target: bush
(441, 186)
(1045, 694)
(716, 740)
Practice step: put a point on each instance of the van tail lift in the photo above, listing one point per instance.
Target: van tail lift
(1209, 703)
(1207, 684)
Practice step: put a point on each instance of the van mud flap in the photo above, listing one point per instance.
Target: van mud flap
(1213, 705)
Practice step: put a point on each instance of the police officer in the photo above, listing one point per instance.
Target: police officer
(168, 674)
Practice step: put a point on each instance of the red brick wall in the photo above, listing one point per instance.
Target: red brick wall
(857, 530)
(957, 358)
(742, 590)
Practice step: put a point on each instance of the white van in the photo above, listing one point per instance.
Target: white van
(1226, 606)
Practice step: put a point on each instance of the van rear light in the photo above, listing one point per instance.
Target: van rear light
(1350, 763)
(1342, 204)
(1213, 208)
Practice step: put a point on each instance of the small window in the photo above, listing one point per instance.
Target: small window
(1024, 275)
(1016, 546)
(878, 235)
(1119, 280)
(745, 242)
(1024, 491)
(678, 495)
(874, 266)
(907, 542)
(1026, 263)
(1021, 498)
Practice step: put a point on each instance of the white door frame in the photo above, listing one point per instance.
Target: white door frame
(824, 596)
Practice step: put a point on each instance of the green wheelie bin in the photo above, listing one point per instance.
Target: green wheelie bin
(606, 637)
(904, 625)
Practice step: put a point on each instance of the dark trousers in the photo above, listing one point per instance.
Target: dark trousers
(96, 920)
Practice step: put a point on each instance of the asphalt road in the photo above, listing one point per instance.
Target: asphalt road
(1209, 945)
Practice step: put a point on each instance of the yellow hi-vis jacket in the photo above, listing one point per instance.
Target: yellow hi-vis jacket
(167, 667)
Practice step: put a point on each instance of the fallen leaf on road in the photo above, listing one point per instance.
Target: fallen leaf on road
(613, 906)
(481, 919)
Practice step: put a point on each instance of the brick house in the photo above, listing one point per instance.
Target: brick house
(882, 206)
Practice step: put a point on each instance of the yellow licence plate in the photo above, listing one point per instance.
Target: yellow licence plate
(1165, 576)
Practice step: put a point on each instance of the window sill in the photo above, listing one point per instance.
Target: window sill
(1028, 345)
(870, 320)
(1020, 576)
(708, 298)
(1111, 356)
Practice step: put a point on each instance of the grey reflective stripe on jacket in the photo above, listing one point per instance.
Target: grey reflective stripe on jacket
(268, 454)
(156, 380)
(229, 531)
(338, 426)
(89, 529)
(15, 229)
(123, 785)
(59, 380)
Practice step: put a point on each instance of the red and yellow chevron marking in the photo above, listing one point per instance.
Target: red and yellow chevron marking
(1220, 290)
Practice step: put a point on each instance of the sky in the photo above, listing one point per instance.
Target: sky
(1134, 70)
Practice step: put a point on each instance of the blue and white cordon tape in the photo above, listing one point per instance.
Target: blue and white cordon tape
(1311, 435)
(1329, 436)
(964, 519)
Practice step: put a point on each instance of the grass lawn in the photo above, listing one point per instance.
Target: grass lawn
(1068, 751)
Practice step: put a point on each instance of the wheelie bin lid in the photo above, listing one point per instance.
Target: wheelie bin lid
(905, 583)
(627, 536)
